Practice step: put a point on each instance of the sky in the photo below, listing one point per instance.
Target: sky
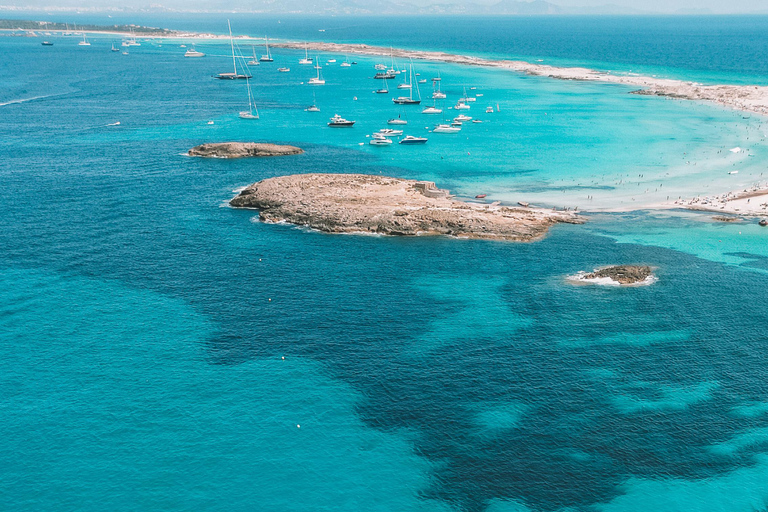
(661, 6)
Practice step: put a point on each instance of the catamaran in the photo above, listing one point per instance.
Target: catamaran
(252, 112)
(268, 56)
(234, 75)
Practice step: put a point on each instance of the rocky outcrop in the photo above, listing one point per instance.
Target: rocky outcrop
(242, 150)
(622, 274)
(348, 203)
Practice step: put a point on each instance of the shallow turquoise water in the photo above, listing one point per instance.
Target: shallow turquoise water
(143, 358)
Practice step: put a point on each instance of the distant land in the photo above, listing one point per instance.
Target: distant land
(357, 7)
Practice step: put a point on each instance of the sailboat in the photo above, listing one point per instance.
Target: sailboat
(234, 75)
(115, 49)
(306, 59)
(437, 93)
(268, 56)
(346, 63)
(253, 61)
(252, 112)
(84, 42)
(317, 80)
(313, 107)
(406, 83)
(384, 90)
(403, 100)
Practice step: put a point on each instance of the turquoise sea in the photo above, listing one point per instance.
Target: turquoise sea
(161, 351)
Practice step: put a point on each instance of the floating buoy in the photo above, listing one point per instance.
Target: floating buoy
(298, 426)
(283, 358)
(270, 300)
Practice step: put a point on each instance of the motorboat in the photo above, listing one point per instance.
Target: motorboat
(331, 61)
(432, 110)
(461, 118)
(384, 75)
(339, 122)
(489, 110)
(48, 43)
(410, 139)
(389, 132)
(480, 196)
(379, 140)
(476, 121)
(461, 106)
(283, 70)
(423, 81)
(380, 67)
(191, 52)
(268, 56)
(446, 128)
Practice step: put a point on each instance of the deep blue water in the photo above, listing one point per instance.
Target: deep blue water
(143, 324)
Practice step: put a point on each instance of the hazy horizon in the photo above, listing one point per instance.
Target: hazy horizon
(309, 6)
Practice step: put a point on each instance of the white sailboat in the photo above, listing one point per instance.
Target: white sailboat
(252, 112)
(84, 42)
(346, 63)
(253, 61)
(268, 56)
(317, 80)
(403, 100)
(306, 59)
(234, 75)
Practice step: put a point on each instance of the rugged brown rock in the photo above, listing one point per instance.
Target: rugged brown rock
(623, 274)
(242, 150)
(347, 203)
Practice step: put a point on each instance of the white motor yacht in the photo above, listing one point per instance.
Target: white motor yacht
(389, 132)
(339, 122)
(410, 139)
(379, 140)
(461, 118)
(191, 52)
(446, 128)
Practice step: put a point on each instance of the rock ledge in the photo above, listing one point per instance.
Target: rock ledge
(622, 274)
(359, 203)
(242, 150)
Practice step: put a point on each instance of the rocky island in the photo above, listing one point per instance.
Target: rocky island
(242, 150)
(618, 275)
(359, 203)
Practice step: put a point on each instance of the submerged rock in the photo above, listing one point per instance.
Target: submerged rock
(242, 150)
(622, 274)
(349, 203)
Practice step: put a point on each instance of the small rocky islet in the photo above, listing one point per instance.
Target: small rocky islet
(622, 274)
(361, 203)
(242, 150)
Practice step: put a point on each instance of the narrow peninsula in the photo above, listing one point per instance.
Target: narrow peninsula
(360, 203)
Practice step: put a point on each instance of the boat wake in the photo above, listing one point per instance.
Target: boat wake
(25, 100)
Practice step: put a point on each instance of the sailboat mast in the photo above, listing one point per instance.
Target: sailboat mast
(232, 45)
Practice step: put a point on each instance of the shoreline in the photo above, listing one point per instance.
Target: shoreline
(746, 98)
